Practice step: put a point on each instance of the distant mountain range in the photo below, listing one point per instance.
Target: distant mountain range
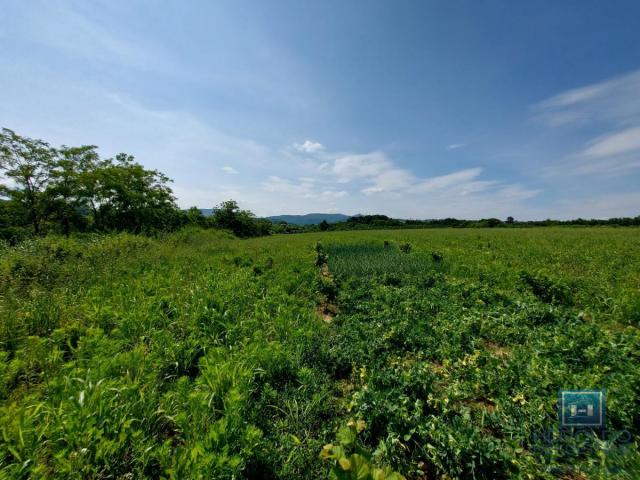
(309, 218)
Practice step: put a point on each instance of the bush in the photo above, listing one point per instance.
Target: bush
(405, 248)
(547, 289)
(242, 223)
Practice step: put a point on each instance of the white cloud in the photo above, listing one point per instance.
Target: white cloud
(275, 183)
(390, 180)
(309, 147)
(614, 100)
(303, 195)
(611, 106)
(517, 192)
(383, 184)
(229, 170)
(444, 181)
(347, 168)
(455, 146)
(616, 143)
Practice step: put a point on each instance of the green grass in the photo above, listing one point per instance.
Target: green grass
(199, 355)
(368, 259)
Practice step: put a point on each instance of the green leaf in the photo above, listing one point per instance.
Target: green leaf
(360, 469)
(346, 436)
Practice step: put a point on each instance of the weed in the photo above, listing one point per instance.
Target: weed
(405, 248)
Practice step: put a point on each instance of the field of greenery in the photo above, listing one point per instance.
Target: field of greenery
(436, 354)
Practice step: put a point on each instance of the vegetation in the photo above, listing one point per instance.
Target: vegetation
(373, 222)
(71, 189)
(198, 355)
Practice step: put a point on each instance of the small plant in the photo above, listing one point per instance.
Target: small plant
(405, 248)
(327, 287)
(547, 289)
(436, 257)
(321, 256)
(350, 460)
(242, 261)
(387, 244)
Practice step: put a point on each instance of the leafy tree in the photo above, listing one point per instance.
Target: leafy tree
(129, 197)
(71, 188)
(71, 193)
(242, 223)
(12, 228)
(324, 225)
(27, 163)
(195, 217)
(510, 220)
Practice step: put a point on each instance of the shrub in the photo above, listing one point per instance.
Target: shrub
(405, 248)
(547, 289)
(351, 461)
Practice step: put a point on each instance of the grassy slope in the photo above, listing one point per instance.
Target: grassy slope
(203, 354)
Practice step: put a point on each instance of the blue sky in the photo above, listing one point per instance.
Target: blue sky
(416, 109)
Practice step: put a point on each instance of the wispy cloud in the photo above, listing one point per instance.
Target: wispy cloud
(455, 146)
(616, 143)
(614, 100)
(229, 170)
(304, 187)
(85, 32)
(461, 177)
(611, 106)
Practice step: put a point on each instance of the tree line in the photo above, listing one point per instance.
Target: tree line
(72, 189)
(372, 222)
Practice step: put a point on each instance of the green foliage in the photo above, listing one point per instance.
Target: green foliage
(199, 355)
(71, 189)
(350, 461)
(321, 256)
(372, 259)
(242, 223)
(546, 289)
(195, 217)
(436, 257)
(372, 222)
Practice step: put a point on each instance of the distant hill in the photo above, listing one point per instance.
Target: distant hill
(309, 218)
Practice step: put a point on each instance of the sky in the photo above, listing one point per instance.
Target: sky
(414, 109)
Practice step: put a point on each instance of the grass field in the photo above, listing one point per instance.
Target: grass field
(199, 355)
